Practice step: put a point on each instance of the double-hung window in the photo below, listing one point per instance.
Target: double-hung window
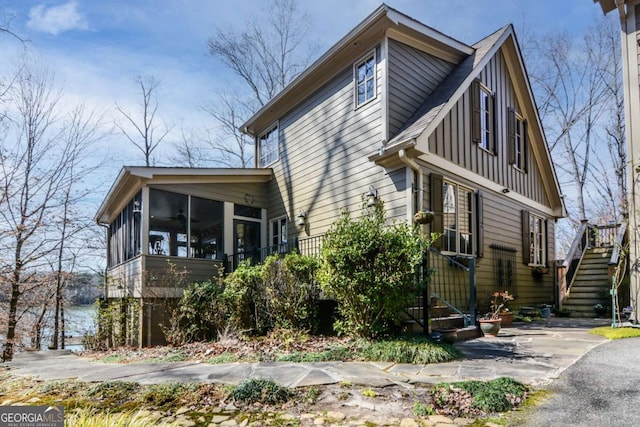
(365, 79)
(536, 240)
(268, 147)
(534, 234)
(278, 234)
(517, 130)
(458, 219)
(482, 122)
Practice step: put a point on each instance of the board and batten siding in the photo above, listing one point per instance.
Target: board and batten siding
(502, 223)
(412, 76)
(452, 138)
(323, 165)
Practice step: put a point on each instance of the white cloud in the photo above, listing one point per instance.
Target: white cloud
(56, 19)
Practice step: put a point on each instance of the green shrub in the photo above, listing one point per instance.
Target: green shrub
(499, 395)
(412, 350)
(260, 390)
(369, 269)
(280, 293)
(244, 295)
(291, 290)
(199, 315)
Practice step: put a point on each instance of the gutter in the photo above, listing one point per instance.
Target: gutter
(409, 162)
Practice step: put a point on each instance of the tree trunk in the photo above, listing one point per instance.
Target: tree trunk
(7, 353)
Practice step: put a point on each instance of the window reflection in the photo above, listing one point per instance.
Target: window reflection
(206, 228)
(185, 226)
(168, 223)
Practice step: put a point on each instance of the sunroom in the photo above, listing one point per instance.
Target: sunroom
(189, 217)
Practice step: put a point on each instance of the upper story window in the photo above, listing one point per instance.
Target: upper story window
(483, 116)
(517, 140)
(268, 147)
(365, 79)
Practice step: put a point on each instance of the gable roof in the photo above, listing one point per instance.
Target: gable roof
(449, 90)
(414, 135)
(342, 54)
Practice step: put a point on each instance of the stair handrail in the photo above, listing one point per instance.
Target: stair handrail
(576, 252)
(618, 245)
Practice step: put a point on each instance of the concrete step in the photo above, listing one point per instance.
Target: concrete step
(453, 321)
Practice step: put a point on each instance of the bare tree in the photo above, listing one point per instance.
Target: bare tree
(233, 148)
(571, 90)
(188, 150)
(271, 51)
(266, 54)
(81, 134)
(34, 174)
(147, 135)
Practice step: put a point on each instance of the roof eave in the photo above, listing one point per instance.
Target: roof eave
(383, 12)
(132, 177)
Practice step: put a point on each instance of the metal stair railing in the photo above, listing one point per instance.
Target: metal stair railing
(451, 280)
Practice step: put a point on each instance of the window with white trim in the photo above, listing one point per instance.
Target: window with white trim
(278, 231)
(458, 219)
(268, 147)
(365, 79)
(537, 240)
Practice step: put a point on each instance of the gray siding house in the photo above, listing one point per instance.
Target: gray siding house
(395, 110)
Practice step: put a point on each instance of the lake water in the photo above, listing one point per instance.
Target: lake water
(79, 320)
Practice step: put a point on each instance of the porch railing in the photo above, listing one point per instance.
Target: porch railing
(306, 246)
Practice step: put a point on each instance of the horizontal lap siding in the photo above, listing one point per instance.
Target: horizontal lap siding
(503, 226)
(233, 193)
(452, 138)
(413, 76)
(323, 164)
(124, 277)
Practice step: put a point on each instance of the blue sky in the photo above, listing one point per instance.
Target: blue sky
(97, 48)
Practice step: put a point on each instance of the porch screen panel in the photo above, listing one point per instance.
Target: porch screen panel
(168, 223)
(207, 225)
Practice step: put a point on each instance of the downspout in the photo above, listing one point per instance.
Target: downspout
(402, 154)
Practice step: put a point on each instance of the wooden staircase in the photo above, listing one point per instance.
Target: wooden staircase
(591, 284)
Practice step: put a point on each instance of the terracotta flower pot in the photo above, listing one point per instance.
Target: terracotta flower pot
(507, 318)
(490, 327)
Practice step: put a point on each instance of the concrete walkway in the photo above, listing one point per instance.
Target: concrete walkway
(533, 353)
